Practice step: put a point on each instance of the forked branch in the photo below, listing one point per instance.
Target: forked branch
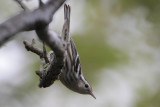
(38, 20)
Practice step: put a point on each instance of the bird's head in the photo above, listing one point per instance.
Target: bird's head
(84, 87)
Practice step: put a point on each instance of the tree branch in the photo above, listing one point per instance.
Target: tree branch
(54, 69)
(29, 20)
(38, 20)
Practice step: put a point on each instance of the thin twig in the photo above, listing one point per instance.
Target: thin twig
(40, 53)
(21, 4)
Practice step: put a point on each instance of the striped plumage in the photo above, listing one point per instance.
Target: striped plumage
(71, 75)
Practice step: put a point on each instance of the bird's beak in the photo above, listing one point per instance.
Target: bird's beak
(91, 93)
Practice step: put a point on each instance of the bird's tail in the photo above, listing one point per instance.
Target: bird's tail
(66, 27)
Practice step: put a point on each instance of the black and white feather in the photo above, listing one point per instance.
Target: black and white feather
(71, 75)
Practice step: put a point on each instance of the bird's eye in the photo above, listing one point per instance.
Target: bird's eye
(86, 85)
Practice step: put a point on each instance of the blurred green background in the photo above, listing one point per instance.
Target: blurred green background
(119, 46)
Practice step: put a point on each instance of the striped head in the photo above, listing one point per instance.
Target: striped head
(84, 87)
(73, 79)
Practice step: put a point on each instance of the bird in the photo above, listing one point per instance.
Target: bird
(71, 74)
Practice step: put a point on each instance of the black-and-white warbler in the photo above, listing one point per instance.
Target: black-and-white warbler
(71, 75)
